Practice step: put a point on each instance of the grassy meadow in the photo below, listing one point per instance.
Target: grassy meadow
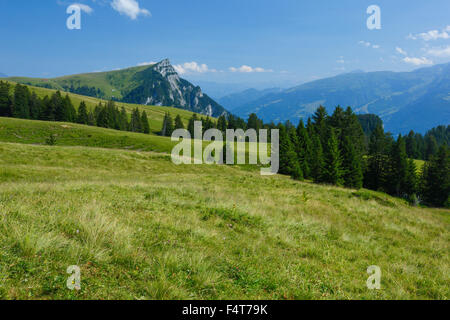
(140, 227)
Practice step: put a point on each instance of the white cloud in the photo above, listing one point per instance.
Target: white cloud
(248, 69)
(192, 67)
(146, 63)
(368, 44)
(129, 8)
(401, 51)
(442, 52)
(418, 61)
(432, 35)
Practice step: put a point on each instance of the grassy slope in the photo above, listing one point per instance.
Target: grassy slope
(155, 113)
(110, 82)
(141, 227)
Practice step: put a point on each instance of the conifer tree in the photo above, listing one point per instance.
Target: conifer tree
(222, 123)
(436, 179)
(136, 122)
(123, 119)
(5, 100)
(431, 146)
(145, 124)
(318, 161)
(168, 126)
(82, 113)
(303, 149)
(351, 165)
(398, 168)
(191, 124)
(411, 179)
(21, 107)
(288, 158)
(35, 106)
(71, 113)
(333, 162)
(178, 122)
(376, 175)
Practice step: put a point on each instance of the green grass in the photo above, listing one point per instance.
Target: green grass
(111, 83)
(142, 228)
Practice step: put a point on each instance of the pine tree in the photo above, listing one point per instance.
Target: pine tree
(82, 114)
(304, 152)
(398, 168)
(59, 107)
(333, 162)
(320, 119)
(123, 120)
(288, 158)
(145, 124)
(411, 146)
(436, 179)
(351, 165)
(222, 123)
(411, 180)
(136, 124)
(318, 161)
(178, 122)
(35, 106)
(71, 113)
(191, 124)
(5, 100)
(431, 146)
(376, 175)
(21, 107)
(168, 127)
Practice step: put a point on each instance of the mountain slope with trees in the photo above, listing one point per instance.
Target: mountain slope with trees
(156, 84)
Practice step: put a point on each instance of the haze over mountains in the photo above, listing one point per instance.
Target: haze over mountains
(417, 100)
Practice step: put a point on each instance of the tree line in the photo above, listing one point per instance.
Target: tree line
(352, 151)
(27, 105)
(341, 149)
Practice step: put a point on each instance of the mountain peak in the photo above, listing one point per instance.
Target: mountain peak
(165, 68)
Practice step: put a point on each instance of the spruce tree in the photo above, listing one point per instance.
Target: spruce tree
(431, 146)
(398, 168)
(82, 113)
(21, 107)
(35, 107)
(222, 123)
(351, 165)
(145, 124)
(178, 122)
(318, 161)
(168, 126)
(376, 175)
(136, 121)
(333, 172)
(5, 100)
(303, 149)
(288, 158)
(191, 124)
(436, 179)
(123, 119)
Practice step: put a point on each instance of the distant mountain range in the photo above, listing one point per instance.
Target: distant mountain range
(236, 100)
(157, 84)
(417, 100)
(2, 75)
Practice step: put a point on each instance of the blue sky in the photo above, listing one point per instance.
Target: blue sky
(281, 42)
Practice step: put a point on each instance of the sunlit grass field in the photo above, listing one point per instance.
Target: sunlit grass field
(140, 227)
